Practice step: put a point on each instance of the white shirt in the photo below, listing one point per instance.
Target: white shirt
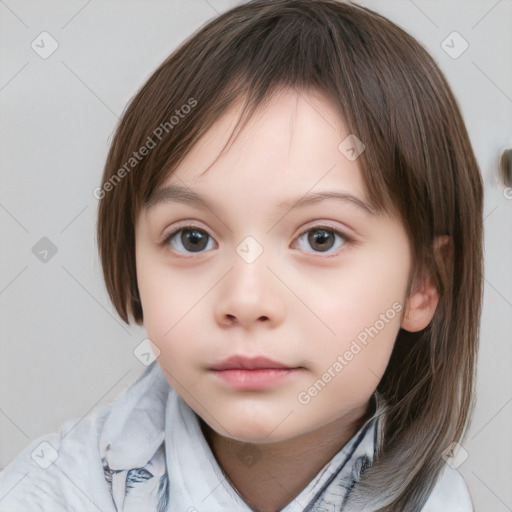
(146, 452)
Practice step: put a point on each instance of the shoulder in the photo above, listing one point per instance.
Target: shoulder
(56, 470)
(450, 494)
(66, 470)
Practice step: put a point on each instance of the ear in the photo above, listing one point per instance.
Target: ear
(424, 296)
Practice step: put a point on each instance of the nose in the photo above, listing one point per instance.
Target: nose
(250, 296)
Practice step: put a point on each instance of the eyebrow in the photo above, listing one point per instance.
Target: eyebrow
(180, 194)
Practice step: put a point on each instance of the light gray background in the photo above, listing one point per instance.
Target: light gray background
(64, 351)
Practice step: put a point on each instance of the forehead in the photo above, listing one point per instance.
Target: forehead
(292, 144)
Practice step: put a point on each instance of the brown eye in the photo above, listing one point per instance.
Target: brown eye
(321, 240)
(190, 240)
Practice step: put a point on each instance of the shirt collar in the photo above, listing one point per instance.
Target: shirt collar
(135, 426)
(197, 482)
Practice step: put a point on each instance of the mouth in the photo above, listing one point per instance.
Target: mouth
(252, 374)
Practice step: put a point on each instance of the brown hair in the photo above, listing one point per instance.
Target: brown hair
(418, 160)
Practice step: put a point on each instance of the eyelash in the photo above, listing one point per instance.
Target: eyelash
(346, 240)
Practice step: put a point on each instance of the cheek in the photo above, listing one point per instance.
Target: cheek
(163, 295)
(350, 299)
(157, 298)
(172, 299)
(164, 321)
(362, 308)
(374, 281)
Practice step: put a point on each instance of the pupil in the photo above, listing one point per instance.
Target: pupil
(193, 240)
(320, 239)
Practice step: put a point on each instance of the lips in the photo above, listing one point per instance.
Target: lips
(249, 363)
(253, 374)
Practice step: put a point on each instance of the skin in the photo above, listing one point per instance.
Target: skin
(294, 304)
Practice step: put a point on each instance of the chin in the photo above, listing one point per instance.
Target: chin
(251, 430)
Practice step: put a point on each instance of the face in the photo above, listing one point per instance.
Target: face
(272, 289)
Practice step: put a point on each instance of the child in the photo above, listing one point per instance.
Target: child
(292, 208)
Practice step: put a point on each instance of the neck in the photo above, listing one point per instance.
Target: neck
(270, 475)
